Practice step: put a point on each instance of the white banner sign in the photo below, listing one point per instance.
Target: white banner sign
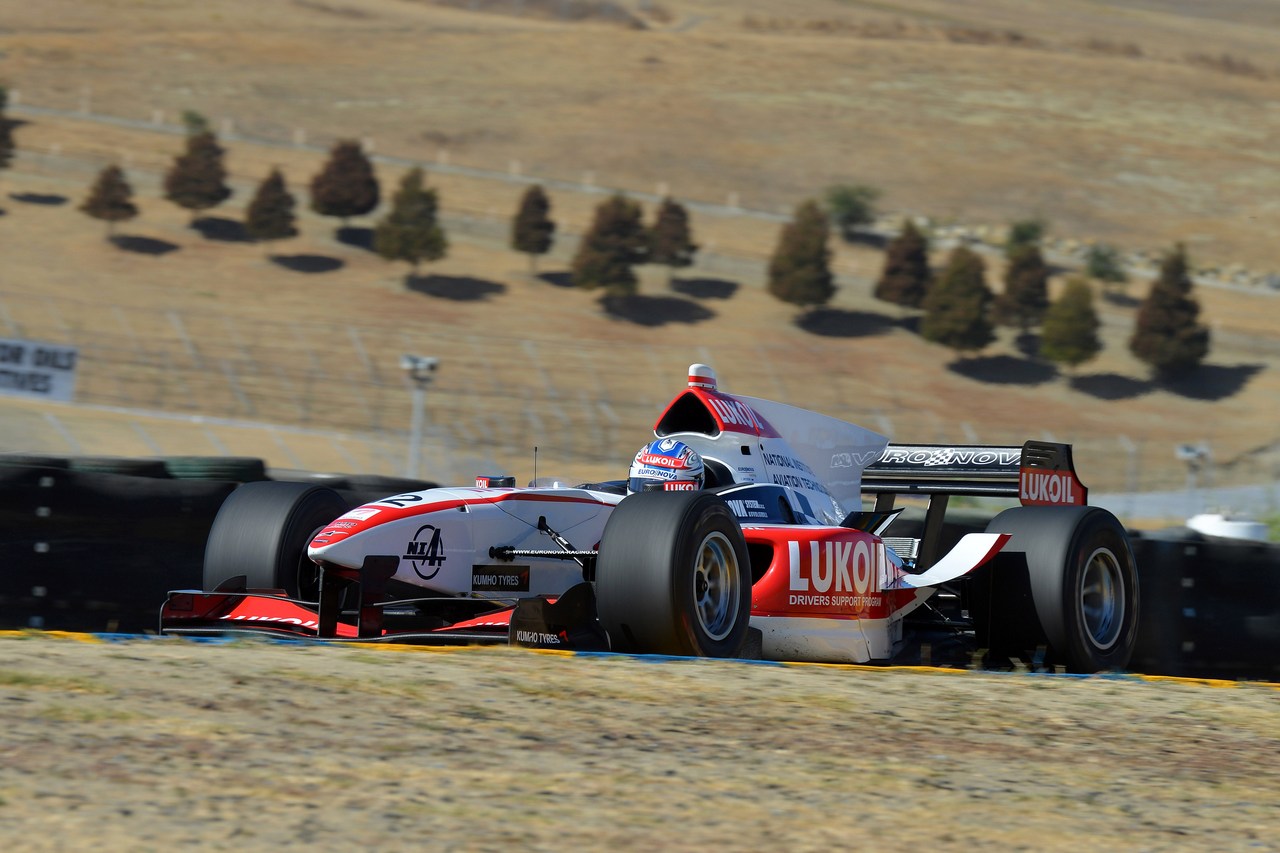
(36, 369)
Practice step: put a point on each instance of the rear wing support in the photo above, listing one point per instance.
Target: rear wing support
(1039, 473)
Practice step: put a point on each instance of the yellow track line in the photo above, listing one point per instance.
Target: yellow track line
(848, 667)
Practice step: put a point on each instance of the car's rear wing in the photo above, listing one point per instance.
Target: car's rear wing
(1039, 473)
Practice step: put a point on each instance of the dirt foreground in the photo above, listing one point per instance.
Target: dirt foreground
(151, 745)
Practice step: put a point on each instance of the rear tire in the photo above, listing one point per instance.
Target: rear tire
(262, 532)
(673, 577)
(1084, 583)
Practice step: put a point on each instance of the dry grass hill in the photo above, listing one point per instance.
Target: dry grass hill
(1141, 123)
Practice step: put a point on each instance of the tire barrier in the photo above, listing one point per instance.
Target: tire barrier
(133, 466)
(292, 475)
(240, 469)
(86, 549)
(93, 543)
(366, 488)
(33, 460)
(355, 488)
(1211, 606)
(94, 551)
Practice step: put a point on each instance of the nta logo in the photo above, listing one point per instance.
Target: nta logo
(425, 552)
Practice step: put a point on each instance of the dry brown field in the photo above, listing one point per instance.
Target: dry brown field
(144, 746)
(1141, 123)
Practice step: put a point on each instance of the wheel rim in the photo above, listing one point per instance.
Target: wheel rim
(1102, 599)
(716, 587)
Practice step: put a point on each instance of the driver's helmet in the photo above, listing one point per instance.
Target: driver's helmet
(666, 465)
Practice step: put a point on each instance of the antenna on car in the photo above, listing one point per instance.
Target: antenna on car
(535, 463)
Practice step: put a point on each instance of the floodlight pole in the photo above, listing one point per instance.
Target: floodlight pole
(1196, 457)
(421, 371)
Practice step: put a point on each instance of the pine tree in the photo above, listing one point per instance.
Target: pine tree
(800, 269)
(1023, 233)
(1104, 263)
(1070, 332)
(670, 239)
(1166, 334)
(851, 206)
(532, 231)
(906, 276)
(194, 122)
(411, 231)
(1026, 289)
(958, 303)
(270, 215)
(615, 243)
(197, 180)
(346, 186)
(111, 199)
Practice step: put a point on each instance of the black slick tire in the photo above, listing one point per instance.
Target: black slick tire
(673, 576)
(1083, 579)
(262, 531)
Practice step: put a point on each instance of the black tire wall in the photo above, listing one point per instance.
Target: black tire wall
(87, 551)
(1211, 606)
(95, 543)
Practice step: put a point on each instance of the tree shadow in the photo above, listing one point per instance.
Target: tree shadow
(1111, 386)
(655, 310)
(839, 323)
(458, 288)
(143, 245)
(867, 238)
(559, 279)
(46, 199)
(1121, 300)
(1212, 382)
(1004, 370)
(308, 263)
(705, 288)
(910, 324)
(221, 229)
(355, 236)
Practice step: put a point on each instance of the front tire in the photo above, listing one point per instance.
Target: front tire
(673, 576)
(1084, 583)
(262, 532)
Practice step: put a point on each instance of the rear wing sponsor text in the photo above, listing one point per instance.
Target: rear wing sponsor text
(1039, 473)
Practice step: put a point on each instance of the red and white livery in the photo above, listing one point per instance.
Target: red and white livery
(784, 553)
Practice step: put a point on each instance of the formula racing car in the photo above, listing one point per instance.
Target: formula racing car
(780, 551)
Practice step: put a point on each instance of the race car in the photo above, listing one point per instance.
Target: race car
(777, 550)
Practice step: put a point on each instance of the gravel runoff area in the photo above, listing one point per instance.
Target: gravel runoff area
(249, 745)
